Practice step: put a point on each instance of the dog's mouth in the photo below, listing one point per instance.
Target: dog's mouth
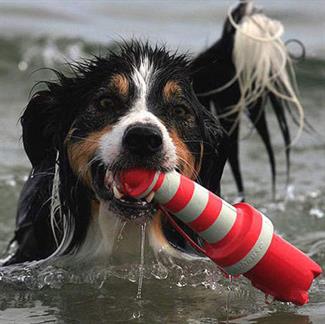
(136, 207)
(107, 190)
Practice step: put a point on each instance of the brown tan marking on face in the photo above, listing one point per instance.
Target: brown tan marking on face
(186, 160)
(155, 229)
(81, 153)
(120, 83)
(94, 208)
(171, 88)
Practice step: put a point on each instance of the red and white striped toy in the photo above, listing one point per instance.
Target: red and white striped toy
(238, 238)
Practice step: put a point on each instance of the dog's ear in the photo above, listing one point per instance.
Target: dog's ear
(33, 230)
(39, 124)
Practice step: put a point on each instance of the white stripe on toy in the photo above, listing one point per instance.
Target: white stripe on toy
(195, 206)
(168, 188)
(222, 225)
(256, 253)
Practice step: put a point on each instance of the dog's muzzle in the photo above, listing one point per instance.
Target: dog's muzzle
(142, 145)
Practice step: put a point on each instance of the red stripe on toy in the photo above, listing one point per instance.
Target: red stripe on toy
(159, 182)
(182, 197)
(209, 214)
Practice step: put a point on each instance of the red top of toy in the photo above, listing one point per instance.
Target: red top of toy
(135, 182)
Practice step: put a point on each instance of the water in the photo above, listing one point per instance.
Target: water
(34, 34)
(141, 264)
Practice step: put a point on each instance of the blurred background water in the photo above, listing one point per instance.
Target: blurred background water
(36, 34)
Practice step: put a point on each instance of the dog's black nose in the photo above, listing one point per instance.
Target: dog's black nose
(142, 139)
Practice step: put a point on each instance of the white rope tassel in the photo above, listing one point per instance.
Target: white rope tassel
(56, 211)
(59, 222)
(262, 63)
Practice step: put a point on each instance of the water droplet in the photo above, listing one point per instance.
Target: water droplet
(318, 213)
(269, 299)
(291, 192)
(159, 271)
(22, 66)
(136, 315)
(11, 182)
(182, 281)
(314, 194)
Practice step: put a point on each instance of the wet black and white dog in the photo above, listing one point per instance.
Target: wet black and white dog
(143, 106)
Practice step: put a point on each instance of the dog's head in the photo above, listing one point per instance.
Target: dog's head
(133, 108)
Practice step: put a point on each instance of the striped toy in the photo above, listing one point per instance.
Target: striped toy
(239, 239)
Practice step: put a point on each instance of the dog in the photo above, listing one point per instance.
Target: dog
(143, 106)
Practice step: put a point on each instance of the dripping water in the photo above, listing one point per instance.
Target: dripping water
(268, 299)
(138, 314)
(141, 265)
(229, 290)
(120, 234)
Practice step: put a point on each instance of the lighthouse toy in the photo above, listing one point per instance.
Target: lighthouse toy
(239, 238)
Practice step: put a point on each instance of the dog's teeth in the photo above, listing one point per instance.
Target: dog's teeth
(117, 193)
(150, 197)
(108, 178)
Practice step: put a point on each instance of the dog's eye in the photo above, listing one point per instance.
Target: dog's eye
(180, 111)
(105, 103)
